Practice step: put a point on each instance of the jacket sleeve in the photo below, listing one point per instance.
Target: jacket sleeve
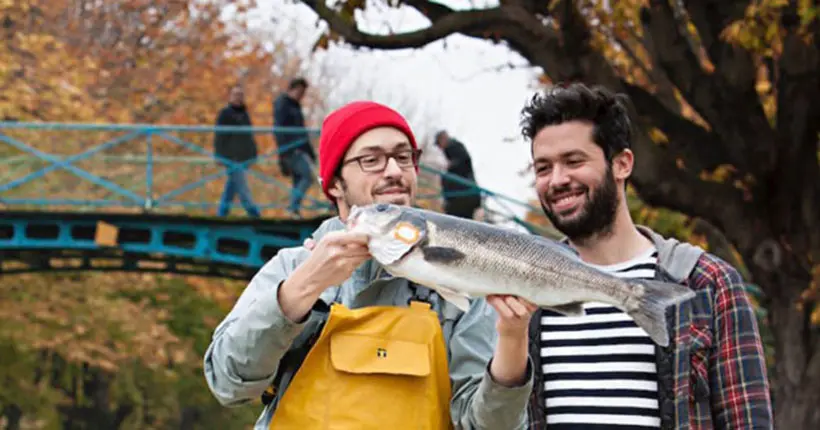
(478, 401)
(457, 154)
(219, 137)
(246, 347)
(281, 118)
(252, 136)
(280, 113)
(741, 396)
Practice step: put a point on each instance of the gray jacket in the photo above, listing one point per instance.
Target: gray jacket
(249, 343)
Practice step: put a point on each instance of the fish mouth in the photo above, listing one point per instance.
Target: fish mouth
(567, 201)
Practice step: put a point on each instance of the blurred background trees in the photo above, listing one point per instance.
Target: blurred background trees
(727, 106)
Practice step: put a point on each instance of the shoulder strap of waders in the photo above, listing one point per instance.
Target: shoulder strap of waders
(293, 358)
(448, 313)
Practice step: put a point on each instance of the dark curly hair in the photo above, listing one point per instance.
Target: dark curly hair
(606, 110)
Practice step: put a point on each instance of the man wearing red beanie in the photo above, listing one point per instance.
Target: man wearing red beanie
(367, 154)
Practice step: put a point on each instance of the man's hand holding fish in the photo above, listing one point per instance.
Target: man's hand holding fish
(514, 315)
(332, 260)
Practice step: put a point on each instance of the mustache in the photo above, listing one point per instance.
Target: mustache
(394, 183)
(564, 189)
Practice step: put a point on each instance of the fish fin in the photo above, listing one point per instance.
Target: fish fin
(388, 251)
(441, 254)
(460, 300)
(650, 314)
(575, 309)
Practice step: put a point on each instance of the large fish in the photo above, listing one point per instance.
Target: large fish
(462, 259)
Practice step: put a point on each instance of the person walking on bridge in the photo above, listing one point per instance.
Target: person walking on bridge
(460, 199)
(329, 340)
(600, 370)
(296, 154)
(237, 147)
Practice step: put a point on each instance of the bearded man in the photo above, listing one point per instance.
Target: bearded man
(601, 370)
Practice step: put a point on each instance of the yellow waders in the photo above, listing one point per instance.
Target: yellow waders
(381, 367)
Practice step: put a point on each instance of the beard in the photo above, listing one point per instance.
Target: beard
(596, 215)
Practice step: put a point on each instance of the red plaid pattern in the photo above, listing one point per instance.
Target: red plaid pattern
(717, 364)
(733, 363)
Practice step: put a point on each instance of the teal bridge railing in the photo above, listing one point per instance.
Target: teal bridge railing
(162, 184)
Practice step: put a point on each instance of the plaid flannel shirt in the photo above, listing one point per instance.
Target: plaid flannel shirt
(714, 375)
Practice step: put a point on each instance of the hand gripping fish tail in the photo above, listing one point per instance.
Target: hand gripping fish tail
(650, 307)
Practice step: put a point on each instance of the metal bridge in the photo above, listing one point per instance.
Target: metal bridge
(143, 198)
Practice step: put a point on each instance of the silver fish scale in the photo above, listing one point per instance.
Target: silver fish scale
(534, 262)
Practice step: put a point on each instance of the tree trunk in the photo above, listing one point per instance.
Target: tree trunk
(795, 387)
(796, 369)
(13, 416)
(797, 404)
(189, 418)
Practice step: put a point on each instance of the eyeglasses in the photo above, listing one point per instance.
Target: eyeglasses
(377, 162)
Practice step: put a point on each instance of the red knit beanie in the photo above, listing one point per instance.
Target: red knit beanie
(347, 123)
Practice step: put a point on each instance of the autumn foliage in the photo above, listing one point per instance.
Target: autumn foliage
(122, 350)
(131, 61)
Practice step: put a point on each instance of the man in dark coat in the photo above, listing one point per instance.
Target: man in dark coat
(296, 154)
(238, 147)
(460, 199)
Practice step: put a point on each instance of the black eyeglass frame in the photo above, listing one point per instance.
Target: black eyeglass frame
(383, 158)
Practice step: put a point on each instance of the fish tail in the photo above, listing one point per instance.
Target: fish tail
(650, 313)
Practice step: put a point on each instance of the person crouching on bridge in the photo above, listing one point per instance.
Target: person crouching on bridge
(328, 340)
(237, 148)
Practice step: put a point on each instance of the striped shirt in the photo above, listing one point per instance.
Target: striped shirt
(599, 369)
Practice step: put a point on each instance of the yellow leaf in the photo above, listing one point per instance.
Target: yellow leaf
(658, 136)
(719, 174)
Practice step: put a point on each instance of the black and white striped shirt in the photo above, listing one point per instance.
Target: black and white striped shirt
(599, 369)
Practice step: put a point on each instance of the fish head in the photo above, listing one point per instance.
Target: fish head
(393, 230)
(373, 220)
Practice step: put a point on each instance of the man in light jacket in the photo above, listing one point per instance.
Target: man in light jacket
(368, 154)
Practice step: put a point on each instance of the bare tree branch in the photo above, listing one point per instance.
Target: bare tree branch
(731, 105)
(711, 17)
(432, 10)
(626, 46)
(707, 93)
(699, 149)
(663, 88)
(682, 20)
(468, 22)
(490, 69)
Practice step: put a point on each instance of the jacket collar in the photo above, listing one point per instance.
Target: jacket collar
(676, 258)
